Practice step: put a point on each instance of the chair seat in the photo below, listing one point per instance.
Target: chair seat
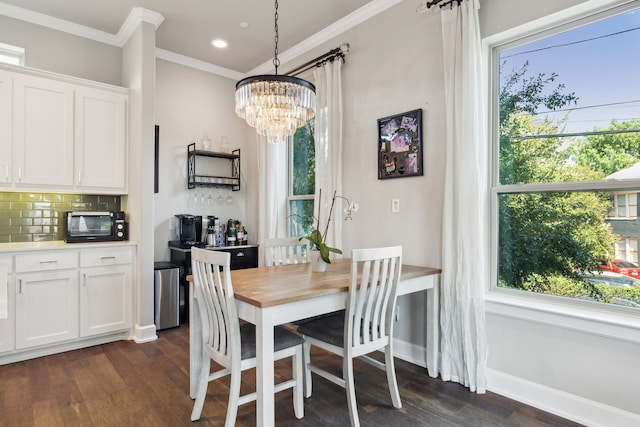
(282, 338)
(329, 329)
(311, 319)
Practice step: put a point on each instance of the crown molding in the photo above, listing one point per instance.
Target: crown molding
(135, 17)
(57, 24)
(187, 61)
(356, 17)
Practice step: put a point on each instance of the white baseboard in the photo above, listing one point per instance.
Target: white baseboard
(408, 352)
(565, 405)
(569, 406)
(142, 334)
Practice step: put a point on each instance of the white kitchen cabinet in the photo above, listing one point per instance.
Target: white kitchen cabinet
(46, 298)
(43, 140)
(100, 137)
(6, 125)
(65, 296)
(7, 328)
(106, 286)
(62, 134)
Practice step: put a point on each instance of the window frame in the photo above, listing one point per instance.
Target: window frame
(10, 51)
(290, 196)
(587, 316)
(628, 205)
(630, 252)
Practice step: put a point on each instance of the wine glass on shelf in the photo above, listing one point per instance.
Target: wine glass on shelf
(210, 196)
(229, 198)
(220, 198)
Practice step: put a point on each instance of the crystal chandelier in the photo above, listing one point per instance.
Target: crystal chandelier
(275, 105)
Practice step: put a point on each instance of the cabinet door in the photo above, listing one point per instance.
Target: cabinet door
(42, 132)
(46, 307)
(7, 328)
(101, 154)
(5, 128)
(105, 299)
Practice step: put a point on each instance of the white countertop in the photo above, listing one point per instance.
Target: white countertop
(58, 244)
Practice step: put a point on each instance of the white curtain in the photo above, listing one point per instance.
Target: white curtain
(328, 140)
(465, 251)
(272, 194)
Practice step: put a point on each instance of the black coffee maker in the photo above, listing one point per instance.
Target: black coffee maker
(189, 228)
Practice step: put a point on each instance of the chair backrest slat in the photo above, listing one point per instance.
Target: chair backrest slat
(216, 301)
(375, 273)
(284, 251)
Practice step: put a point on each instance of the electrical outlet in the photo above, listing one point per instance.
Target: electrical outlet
(395, 205)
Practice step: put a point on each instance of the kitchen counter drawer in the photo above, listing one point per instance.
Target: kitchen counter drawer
(106, 256)
(242, 257)
(46, 261)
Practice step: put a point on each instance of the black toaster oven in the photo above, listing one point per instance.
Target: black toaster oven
(81, 226)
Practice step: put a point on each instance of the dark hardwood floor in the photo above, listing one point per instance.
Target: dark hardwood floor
(128, 384)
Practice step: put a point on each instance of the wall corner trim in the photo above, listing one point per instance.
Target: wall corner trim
(135, 18)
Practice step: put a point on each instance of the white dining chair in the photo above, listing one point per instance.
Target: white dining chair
(365, 326)
(284, 251)
(230, 344)
(287, 251)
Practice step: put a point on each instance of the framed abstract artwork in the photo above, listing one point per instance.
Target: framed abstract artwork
(400, 145)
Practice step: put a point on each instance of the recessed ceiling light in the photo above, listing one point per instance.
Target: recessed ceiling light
(219, 43)
(244, 24)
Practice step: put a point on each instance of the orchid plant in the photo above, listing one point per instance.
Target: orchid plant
(318, 238)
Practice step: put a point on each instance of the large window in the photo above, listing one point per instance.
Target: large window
(567, 138)
(302, 180)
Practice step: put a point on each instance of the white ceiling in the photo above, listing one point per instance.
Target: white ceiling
(189, 26)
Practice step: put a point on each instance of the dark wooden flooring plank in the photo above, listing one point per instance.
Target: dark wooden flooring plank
(129, 384)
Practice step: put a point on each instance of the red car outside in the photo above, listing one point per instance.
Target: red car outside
(621, 266)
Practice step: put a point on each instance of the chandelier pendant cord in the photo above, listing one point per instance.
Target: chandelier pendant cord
(276, 61)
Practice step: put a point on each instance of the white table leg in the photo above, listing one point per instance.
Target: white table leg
(433, 327)
(195, 343)
(265, 401)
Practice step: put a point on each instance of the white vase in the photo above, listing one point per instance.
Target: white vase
(317, 263)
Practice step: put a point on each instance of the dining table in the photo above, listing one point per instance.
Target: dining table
(270, 296)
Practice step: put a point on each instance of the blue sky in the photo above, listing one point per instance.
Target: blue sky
(598, 65)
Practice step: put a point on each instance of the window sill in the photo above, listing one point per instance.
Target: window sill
(621, 323)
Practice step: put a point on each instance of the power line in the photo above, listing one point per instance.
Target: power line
(610, 104)
(564, 135)
(571, 43)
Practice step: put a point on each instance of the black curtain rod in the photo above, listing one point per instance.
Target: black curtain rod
(338, 52)
(444, 4)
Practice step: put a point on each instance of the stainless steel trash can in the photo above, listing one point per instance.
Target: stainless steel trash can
(166, 281)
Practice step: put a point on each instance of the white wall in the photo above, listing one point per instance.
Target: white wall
(63, 53)
(393, 66)
(190, 102)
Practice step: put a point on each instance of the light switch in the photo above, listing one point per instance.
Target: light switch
(395, 205)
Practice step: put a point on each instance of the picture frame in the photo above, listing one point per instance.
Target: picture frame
(400, 145)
